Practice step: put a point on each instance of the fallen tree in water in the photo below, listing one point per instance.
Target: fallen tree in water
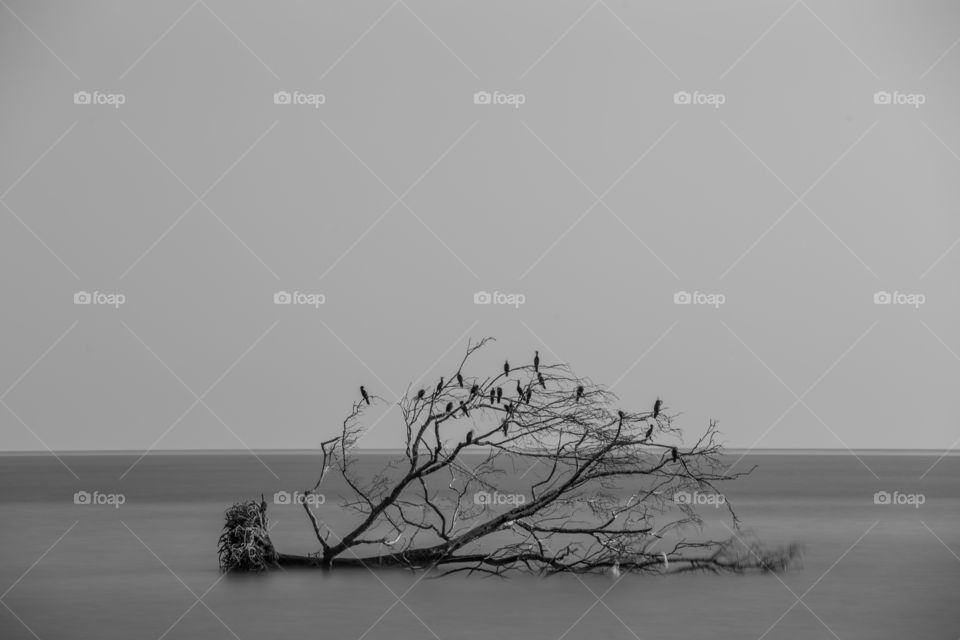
(449, 495)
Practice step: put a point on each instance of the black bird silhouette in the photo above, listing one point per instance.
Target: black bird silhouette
(493, 395)
(620, 413)
(519, 390)
(509, 407)
(459, 379)
(449, 407)
(579, 392)
(469, 436)
(420, 394)
(674, 454)
(540, 379)
(363, 392)
(474, 390)
(529, 394)
(656, 408)
(649, 433)
(499, 394)
(463, 408)
(439, 387)
(536, 361)
(506, 423)
(506, 367)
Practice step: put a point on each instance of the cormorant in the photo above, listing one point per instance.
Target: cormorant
(649, 433)
(579, 392)
(529, 394)
(449, 407)
(536, 361)
(463, 408)
(506, 367)
(363, 392)
(620, 413)
(509, 408)
(420, 394)
(459, 379)
(674, 454)
(540, 379)
(474, 390)
(470, 436)
(493, 395)
(499, 394)
(519, 390)
(506, 422)
(656, 408)
(439, 387)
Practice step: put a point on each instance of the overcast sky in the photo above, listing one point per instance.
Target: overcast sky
(785, 193)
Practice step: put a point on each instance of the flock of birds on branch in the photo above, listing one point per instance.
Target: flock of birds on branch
(523, 396)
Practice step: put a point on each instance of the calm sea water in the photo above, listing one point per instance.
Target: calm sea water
(148, 569)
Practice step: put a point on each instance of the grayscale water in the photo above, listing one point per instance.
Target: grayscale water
(101, 582)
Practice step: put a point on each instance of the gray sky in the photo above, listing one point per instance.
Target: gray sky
(597, 199)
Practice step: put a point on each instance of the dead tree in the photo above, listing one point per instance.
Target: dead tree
(597, 492)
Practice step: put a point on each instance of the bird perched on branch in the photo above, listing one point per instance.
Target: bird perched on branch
(579, 392)
(519, 390)
(506, 423)
(674, 454)
(493, 396)
(439, 387)
(449, 407)
(469, 436)
(499, 394)
(463, 407)
(540, 380)
(620, 413)
(649, 433)
(536, 361)
(529, 394)
(363, 392)
(474, 390)
(506, 367)
(420, 394)
(656, 408)
(459, 380)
